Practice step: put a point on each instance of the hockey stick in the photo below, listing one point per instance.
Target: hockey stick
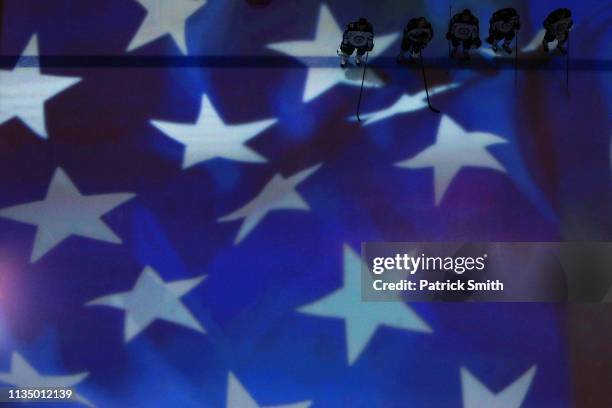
(516, 51)
(567, 66)
(450, 16)
(365, 65)
(425, 81)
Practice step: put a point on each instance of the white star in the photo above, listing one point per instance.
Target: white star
(405, 104)
(65, 212)
(165, 17)
(278, 194)
(477, 395)
(152, 299)
(210, 137)
(362, 318)
(327, 38)
(24, 376)
(239, 397)
(454, 149)
(536, 43)
(24, 91)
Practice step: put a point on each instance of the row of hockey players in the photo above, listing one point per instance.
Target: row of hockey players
(463, 32)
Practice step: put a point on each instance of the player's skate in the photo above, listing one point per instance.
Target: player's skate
(343, 58)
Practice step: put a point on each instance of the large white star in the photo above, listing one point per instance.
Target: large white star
(24, 91)
(239, 397)
(165, 17)
(477, 395)
(362, 318)
(210, 137)
(278, 194)
(454, 149)
(65, 212)
(24, 376)
(327, 38)
(151, 299)
(405, 104)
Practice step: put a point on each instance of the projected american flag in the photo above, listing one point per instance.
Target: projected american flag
(184, 189)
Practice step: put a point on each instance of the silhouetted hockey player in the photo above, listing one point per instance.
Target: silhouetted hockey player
(503, 25)
(359, 36)
(558, 25)
(464, 30)
(417, 35)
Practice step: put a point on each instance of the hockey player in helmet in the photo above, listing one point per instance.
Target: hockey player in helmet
(558, 25)
(464, 30)
(503, 26)
(359, 35)
(418, 33)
